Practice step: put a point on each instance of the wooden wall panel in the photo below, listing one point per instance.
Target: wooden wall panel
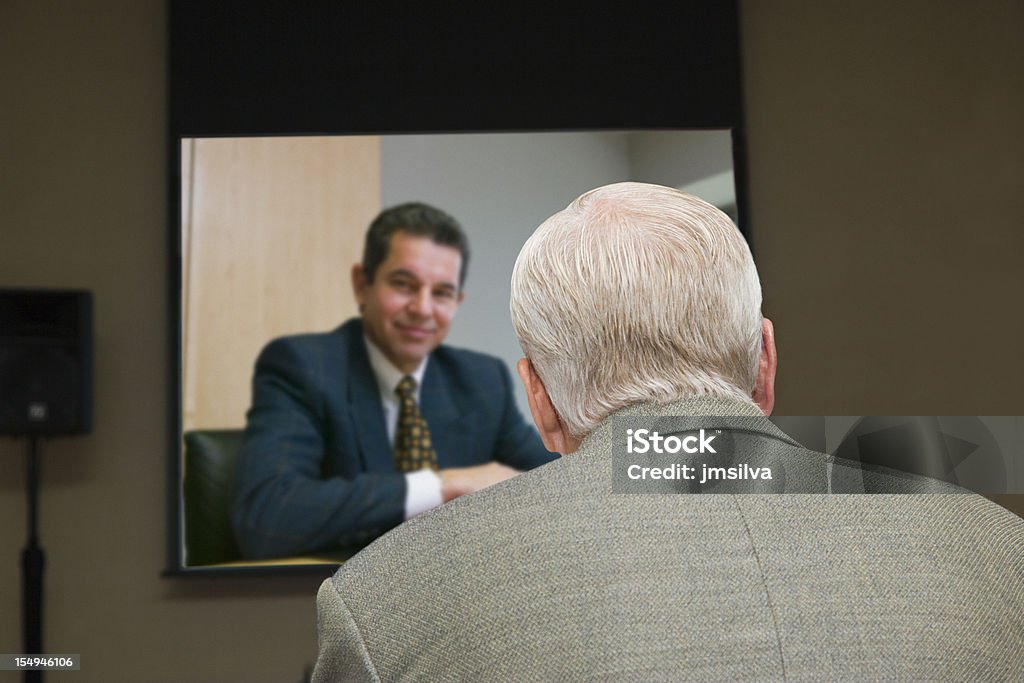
(270, 230)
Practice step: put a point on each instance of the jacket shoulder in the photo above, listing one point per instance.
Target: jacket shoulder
(336, 341)
(465, 361)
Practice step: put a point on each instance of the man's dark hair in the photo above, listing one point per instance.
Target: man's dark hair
(413, 218)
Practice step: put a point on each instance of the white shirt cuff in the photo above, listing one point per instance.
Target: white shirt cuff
(423, 492)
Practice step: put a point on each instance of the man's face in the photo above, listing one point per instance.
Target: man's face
(413, 297)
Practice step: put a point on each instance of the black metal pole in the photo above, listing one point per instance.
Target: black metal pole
(32, 563)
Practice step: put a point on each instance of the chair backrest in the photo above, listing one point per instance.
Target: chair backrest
(210, 459)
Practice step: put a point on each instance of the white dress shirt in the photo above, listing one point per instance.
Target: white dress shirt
(423, 487)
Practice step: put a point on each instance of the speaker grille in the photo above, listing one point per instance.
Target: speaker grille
(45, 362)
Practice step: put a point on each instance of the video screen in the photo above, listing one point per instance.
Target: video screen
(271, 228)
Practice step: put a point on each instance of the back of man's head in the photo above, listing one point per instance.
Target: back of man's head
(633, 293)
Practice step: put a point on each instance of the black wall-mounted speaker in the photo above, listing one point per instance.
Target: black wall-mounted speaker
(45, 362)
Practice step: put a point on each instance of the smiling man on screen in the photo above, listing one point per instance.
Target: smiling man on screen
(353, 431)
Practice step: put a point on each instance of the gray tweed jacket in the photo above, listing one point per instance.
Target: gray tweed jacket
(551, 576)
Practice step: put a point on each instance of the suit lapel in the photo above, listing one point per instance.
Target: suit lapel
(366, 410)
(445, 418)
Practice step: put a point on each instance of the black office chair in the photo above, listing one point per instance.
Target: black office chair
(211, 456)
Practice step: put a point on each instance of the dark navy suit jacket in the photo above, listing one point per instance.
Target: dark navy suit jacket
(317, 472)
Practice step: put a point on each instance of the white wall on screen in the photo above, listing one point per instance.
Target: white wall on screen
(502, 186)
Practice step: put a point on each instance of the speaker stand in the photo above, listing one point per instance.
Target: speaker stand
(32, 563)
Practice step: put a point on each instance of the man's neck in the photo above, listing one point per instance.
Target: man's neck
(695, 406)
(387, 374)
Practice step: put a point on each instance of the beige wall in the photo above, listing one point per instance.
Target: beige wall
(884, 143)
(886, 173)
(270, 228)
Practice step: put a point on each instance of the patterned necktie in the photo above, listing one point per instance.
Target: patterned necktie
(413, 449)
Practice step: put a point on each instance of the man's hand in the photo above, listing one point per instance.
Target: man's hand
(458, 481)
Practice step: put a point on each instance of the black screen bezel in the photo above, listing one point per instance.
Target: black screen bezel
(318, 67)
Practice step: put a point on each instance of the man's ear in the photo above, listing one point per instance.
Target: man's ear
(764, 389)
(359, 284)
(552, 432)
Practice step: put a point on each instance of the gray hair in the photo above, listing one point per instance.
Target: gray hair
(633, 293)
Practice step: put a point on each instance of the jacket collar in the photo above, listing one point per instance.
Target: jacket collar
(721, 413)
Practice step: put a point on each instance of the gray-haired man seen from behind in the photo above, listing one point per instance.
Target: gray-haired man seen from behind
(639, 301)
